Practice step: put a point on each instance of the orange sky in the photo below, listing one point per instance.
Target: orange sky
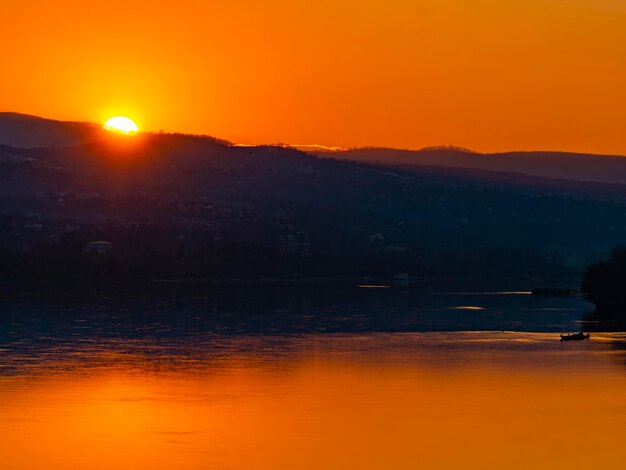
(485, 74)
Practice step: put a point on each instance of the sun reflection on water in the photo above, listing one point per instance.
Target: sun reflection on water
(434, 400)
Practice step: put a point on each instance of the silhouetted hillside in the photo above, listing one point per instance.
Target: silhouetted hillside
(558, 165)
(22, 130)
(173, 205)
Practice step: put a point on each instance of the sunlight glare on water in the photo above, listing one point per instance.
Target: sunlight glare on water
(276, 378)
(319, 401)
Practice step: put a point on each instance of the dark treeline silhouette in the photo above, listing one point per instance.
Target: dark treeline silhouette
(604, 284)
(162, 251)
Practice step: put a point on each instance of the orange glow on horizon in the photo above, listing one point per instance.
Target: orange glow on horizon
(489, 75)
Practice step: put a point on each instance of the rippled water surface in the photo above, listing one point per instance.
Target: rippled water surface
(279, 377)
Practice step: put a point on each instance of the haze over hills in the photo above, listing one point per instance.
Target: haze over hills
(180, 205)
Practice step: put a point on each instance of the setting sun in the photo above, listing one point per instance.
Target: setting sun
(121, 124)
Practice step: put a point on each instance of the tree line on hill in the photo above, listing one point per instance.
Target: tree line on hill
(604, 284)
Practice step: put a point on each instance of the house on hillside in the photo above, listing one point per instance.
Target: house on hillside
(97, 248)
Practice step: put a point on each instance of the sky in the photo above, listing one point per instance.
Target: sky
(489, 75)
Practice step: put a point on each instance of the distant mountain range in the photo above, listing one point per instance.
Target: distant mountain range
(557, 165)
(249, 209)
(25, 131)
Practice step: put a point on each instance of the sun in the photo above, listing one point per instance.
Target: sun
(121, 125)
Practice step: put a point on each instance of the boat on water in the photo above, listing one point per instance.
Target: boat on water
(575, 336)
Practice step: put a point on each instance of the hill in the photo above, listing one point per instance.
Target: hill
(178, 205)
(556, 165)
(22, 130)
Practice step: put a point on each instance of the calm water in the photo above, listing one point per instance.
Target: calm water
(279, 377)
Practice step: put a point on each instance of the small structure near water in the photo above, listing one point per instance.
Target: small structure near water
(556, 292)
(401, 279)
(98, 248)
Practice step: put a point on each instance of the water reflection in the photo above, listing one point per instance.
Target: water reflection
(163, 310)
(313, 380)
(438, 400)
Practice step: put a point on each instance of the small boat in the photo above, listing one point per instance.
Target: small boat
(575, 336)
